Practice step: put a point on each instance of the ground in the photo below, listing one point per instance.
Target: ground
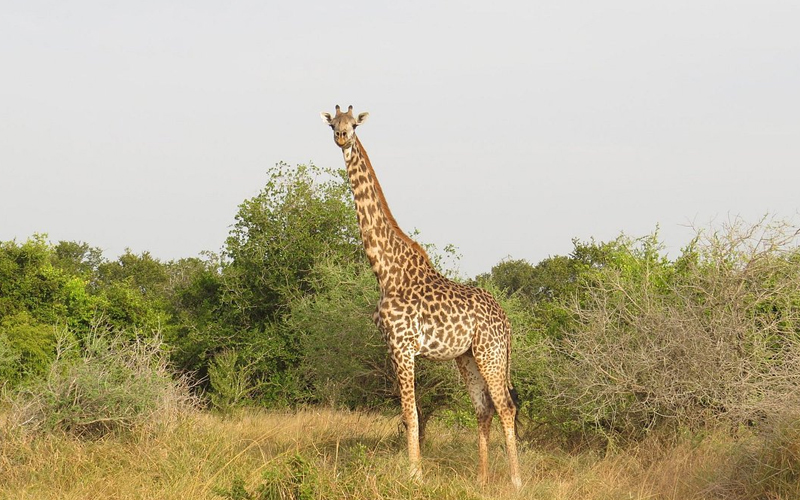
(337, 454)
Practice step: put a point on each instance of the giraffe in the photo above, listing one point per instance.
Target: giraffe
(422, 313)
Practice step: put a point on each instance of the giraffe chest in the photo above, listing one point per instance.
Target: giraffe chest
(429, 322)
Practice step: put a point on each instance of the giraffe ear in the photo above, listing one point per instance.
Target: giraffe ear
(362, 117)
(326, 117)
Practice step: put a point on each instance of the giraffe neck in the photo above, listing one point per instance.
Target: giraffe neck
(389, 250)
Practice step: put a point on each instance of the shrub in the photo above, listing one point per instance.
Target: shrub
(110, 384)
(712, 337)
(229, 380)
(26, 348)
(345, 360)
(9, 360)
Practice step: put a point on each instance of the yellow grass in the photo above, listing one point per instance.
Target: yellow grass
(333, 454)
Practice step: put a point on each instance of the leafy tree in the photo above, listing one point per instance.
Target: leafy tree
(514, 276)
(302, 213)
(344, 359)
(28, 280)
(27, 347)
(77, 259)
(234, 306)
(198, 325)
(45, 287)
(555, 277)
(145, 274)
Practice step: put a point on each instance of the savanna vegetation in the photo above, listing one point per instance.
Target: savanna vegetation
(257, 373)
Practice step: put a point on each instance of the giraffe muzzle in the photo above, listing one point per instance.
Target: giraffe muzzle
(342, 140)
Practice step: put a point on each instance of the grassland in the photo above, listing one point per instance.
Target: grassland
(331, 454)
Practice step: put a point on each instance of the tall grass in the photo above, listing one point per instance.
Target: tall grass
(330, 454)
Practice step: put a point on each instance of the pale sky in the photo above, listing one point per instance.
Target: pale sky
(504, 128)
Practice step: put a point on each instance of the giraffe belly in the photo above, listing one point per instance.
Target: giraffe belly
(441, 344)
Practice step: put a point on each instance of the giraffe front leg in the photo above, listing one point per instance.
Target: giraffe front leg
(404, 366)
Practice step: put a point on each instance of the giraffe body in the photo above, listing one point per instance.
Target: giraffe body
(422, 313)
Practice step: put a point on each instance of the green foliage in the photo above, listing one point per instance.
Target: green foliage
(197, 327)
(80, 305)
(29, 282)
(240, 302)
(545, 286)
(27, 345)
(132, 291)
(9, 361)
(196, 290)
(515, 277)
(77, 259)
(45, 287)
(294, 478)
(345, 360)
(237, 490)
(302, 213)
(229, 380)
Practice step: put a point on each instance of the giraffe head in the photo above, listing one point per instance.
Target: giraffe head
(344, 125)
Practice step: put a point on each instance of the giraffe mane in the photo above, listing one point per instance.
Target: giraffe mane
(385, 206)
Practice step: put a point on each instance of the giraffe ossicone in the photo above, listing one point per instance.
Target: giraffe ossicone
(422, 313)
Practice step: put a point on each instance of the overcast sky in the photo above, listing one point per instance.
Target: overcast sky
(504, 128)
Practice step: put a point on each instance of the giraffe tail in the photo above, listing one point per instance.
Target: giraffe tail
(511, 391)
(509, 385)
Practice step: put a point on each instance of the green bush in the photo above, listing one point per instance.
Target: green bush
(26, 348)
(229, 380)
(302, 214)
(345, 361)
(9, 360)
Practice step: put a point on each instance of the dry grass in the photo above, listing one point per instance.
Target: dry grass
(330, 454)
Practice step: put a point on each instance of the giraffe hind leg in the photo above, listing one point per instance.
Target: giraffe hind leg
(484, 408)
(494, 373)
